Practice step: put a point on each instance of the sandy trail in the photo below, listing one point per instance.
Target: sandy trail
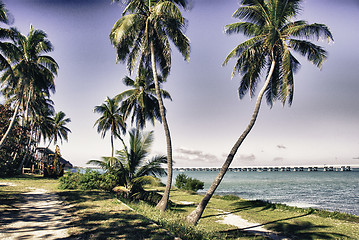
(42, 216)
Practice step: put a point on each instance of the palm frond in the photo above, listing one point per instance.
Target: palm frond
(314, 53)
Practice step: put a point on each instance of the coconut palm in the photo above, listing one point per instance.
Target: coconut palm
(107, 163)
(32, 71)
(273, 35)
(43, 120)
(142, 36)
(59, 130)
(111, 119)
(5, 34)
(132, 165)
(40, 122)
(135, 166)
(141, 99)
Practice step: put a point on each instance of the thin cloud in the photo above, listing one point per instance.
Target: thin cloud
(278, 159)
(247, 158)
(194, 155)
(280, 146)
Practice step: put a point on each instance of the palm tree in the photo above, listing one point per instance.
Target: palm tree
(59, 129)
(272, 35)
(5, 34)
(111, 119)
(143, 36)
(107, 163)
(31, 73)
(135, 167)
(141, 100)
(43, 120)
(39, 123)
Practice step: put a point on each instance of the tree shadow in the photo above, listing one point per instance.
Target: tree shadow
(304, 230)
(8, 209)
(299, 229)
(117, 225)
(107, 224)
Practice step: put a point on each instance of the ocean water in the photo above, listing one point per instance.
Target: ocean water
(333, 191)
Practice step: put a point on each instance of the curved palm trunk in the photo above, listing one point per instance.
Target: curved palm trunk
(10, 125)
(194, 216)
(163, 203)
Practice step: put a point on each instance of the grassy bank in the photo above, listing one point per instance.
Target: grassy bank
(99, 215)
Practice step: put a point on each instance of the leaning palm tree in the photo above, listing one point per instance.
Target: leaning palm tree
(273, 35)
(142, 36)
(111, 119)
(141, 99)
(32, 71)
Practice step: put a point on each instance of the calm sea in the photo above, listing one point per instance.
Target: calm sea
(334, 191)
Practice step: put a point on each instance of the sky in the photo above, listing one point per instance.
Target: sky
(206, 116)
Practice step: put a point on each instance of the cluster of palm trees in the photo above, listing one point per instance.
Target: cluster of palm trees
(142, 35)
(132, 166)
(27, 82)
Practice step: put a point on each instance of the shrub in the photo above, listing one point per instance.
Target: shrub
(70, 181)
(89, 180)
(187, 183)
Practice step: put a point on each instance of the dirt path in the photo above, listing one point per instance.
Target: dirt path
(42, 216)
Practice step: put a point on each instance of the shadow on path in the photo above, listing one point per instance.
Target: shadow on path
(40, 216)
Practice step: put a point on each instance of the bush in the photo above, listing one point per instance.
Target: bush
(89, 180)
(187, 183)
(70, 181)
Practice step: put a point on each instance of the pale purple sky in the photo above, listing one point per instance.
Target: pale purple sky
(206, 116)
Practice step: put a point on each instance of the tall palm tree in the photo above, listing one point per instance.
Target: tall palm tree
(59, 130)
(141, 100)
(273, 35)
(142, 36)
(111, 119)
(32, 71)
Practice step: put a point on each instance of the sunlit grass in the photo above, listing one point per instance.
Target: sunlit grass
(99, 215)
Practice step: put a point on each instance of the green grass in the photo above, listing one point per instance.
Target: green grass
(99, 215)
(289, 221)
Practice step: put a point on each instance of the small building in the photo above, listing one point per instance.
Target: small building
(43, 157)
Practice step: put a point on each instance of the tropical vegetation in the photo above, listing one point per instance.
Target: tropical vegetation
(27, 82)
(273, 35)
(110, 120)
(132, 165)
(140, 100)
(187, 183)
(142, 36)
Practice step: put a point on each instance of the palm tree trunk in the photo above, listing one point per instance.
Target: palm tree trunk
(163, 203)
(111, 145)
(49, 143)
(10, 125)
(28, 150)
(194, 216)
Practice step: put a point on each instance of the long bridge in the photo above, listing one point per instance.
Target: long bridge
(273, 169)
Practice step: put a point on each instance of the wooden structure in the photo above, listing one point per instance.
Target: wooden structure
(49, 163)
